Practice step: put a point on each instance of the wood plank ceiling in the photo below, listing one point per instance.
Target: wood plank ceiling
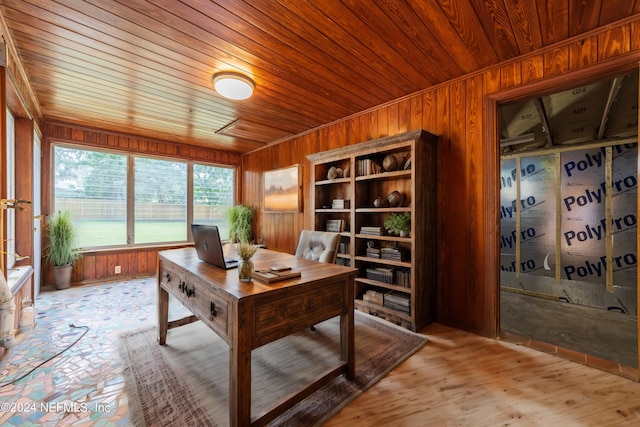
(144, 67)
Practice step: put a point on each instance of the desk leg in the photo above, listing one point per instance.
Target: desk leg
(240, 371)
(347, 335)
(163, 314)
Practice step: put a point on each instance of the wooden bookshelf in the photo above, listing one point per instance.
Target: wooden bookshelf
(362, 173)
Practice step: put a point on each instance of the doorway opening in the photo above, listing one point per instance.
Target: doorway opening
(568, 219)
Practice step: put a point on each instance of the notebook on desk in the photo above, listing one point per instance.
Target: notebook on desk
(209, 246)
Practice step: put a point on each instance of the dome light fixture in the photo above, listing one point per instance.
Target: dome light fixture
(233, 85)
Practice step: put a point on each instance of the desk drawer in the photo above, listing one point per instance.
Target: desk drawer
(198, 296)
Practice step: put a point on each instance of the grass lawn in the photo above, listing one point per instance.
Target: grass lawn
(114, 233)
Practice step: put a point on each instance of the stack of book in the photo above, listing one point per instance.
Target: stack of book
(395, 254)
(372, 230)
(403, 277)
(367, 167)
(335, 225)
(270, 276)
(397, 301)
(374, 297)
(373, 252)
(381, 274)
(339, 204)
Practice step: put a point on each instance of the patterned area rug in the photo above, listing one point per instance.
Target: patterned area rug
(186, 381)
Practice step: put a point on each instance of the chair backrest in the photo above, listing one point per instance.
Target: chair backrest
(318, 245)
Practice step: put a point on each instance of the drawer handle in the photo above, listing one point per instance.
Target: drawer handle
(168, 276)
(191, 292)
(182, 286)
(214, 313)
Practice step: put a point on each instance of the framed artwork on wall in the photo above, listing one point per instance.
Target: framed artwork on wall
(282, 190)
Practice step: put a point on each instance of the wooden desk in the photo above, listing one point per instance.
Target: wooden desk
(249, 315)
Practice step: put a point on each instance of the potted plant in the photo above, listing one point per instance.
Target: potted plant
(245, 266)
(240, 219)
(403, 224)
(398, 224)
(390, 224)
(60, 250)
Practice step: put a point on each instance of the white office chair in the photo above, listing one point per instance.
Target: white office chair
(321, 246)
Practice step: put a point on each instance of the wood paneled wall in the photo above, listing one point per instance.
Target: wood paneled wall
(463, 114)
(99, 265)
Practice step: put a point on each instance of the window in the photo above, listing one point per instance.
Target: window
(160, 200)
(212, 195)
(95, 186)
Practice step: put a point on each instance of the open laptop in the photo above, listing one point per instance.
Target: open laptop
(209, 246)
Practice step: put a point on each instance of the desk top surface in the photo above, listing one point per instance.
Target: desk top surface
(227, 280)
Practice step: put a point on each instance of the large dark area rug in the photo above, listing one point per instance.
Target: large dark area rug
(186, 381)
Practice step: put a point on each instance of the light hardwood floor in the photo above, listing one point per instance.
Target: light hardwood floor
(462, 379)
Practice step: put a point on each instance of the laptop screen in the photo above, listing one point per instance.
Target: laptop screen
(209, 246)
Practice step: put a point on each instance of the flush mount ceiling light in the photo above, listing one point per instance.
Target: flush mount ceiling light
(233, 85)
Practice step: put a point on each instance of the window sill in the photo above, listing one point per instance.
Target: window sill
(128, 249)
(17, 277)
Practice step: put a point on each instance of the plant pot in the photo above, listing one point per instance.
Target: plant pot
(245, 270)
(62, 275)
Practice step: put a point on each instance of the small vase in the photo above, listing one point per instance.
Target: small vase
(245, 269)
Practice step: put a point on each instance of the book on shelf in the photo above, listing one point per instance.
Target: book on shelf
(367, 167)
(395, 254)
(372, 230)
(270, 276)
(381, 274)
(373, 253)
(335, 225)
(372, 296)
(403, 277)
(407, 164)
(397, 301)
(340, 204)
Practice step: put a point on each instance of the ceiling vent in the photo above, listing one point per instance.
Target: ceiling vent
(252, 131)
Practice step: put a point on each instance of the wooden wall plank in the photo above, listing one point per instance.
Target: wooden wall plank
(446, 168)
(532, 68)
(511, 74)
(614, 43)
(556, 61)
(491, 178)
(635, 33)
(475, 165)
(583, 52)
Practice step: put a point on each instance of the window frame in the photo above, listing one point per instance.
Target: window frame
(130, 203)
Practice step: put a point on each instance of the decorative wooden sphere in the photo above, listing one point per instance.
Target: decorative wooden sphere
(379, 203)
(390, 163)
(394, 198)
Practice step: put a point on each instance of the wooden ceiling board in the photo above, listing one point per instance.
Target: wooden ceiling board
(460, 32)
(613, 10)
(583, 14)
(268, 52)
(329, 42)
(300, 34)
(144, 67)
(390, 31)
(525, 26)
